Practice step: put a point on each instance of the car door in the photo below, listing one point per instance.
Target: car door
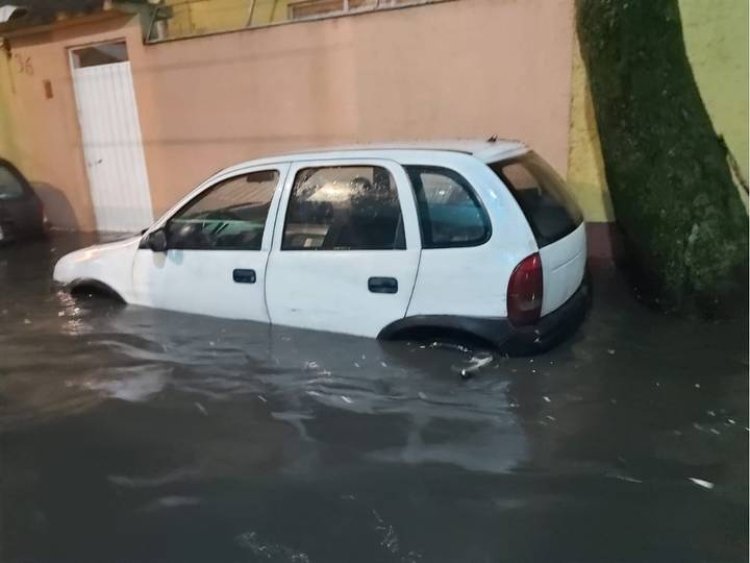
(21, 210)
(218, 242)
(346, 247)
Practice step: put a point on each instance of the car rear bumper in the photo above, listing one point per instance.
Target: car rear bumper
(500, 332)
(553, 327)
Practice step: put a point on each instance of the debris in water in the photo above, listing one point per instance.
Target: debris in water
(702, 483)
(476, 363)
(311, 365)
(731, 421)
(384, 364)
(262, 398)
(624, 477)
(346, 399)
(26, 322)
(547, 399)
(356, 365)
(422, 396)
(611, 351)
(714, 431)
(212, 343)
(710, 413)
(201, 408)
(697, 385)
(550, 417)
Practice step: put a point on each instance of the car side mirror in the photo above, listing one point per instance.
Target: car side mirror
(157, 241)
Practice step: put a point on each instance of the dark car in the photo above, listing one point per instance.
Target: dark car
(21, 210)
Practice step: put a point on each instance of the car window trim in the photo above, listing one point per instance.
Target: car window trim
(468, 188)
(282, 168)
(405, 195)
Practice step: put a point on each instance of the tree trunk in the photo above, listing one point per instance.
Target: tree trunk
(674, 198)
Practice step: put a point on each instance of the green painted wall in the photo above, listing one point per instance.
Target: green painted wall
(716, 39)
(716, 36)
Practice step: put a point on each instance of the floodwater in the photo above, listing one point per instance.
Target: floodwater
(136, 435)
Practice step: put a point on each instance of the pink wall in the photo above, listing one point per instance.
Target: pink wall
(469, 68)
(47, 137)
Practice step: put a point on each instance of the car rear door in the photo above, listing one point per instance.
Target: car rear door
(346, 247)
(218, 246)
(555, 220)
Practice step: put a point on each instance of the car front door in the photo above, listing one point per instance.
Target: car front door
(346, 247)
(217, 247)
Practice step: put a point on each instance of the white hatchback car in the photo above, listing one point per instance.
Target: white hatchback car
(389, 240)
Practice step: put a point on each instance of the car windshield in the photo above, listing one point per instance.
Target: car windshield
(541, 193)
(10, 185)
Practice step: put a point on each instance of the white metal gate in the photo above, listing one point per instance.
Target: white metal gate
(112, 145)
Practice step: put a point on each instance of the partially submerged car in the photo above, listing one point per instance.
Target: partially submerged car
(21, 210)
(477, 238)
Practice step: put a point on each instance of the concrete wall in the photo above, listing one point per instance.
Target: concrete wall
(45, 132)
(716, 40)
(456, 69)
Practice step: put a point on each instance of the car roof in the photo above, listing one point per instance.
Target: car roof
(484, 150)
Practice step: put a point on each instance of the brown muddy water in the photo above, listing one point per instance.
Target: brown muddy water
(136, 435)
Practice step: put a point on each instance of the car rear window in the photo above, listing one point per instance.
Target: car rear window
(10, 185)
(541, 193)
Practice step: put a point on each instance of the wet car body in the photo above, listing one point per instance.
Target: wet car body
(21, 210)
(461, 237)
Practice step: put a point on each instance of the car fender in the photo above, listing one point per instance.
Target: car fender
(107, 264)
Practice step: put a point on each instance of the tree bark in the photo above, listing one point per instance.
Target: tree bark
(683, 221)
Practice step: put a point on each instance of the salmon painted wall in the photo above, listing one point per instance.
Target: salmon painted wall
(451, 69)
(441, 70)
(716, 40)
(45, 132)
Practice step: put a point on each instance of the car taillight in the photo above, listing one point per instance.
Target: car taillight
(525, 291)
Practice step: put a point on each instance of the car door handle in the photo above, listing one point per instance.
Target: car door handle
(382, 285)
(243, 276)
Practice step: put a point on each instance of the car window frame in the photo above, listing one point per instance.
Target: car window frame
(282, 168)
(407, 204)
(470, 190)
(26, 188)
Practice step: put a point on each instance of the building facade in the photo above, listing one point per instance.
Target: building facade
(117, 108)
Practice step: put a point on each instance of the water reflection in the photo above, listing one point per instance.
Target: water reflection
(239, 441)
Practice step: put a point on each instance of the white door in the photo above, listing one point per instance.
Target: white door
(218, 243)
(111, 134)
(346, 247)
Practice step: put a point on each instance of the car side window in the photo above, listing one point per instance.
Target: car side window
(228, 216)
(343, 208)
(10, 185)
(450, 214)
